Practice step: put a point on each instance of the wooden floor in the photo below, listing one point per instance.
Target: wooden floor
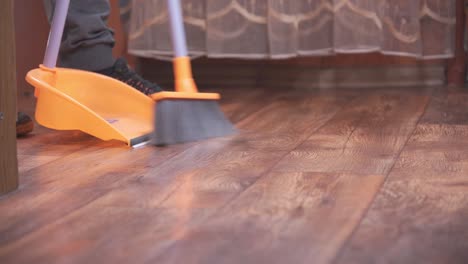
(332, 176)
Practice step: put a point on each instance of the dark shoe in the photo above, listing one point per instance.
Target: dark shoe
(121, 72)
(24, 125)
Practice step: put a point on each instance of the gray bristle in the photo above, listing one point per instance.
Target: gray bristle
(179, 121)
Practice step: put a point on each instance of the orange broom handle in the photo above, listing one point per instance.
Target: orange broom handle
(183, 75)
(182, 68)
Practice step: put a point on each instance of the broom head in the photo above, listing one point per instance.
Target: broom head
(186, 116)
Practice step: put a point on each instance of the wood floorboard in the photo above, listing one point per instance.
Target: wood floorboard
(421, 213)
(28, 162)
(68, 182)
(45, 191)
(302, 211)
(331, 176)
(45, 145)
(447, 107)
(365, 138)
(188, 187)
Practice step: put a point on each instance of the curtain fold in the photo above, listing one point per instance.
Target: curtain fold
(289, 28)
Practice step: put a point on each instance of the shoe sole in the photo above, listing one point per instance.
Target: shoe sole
(24, 129)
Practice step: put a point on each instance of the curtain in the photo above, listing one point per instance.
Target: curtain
(278, 29)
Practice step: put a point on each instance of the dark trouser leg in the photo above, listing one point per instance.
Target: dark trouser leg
(87, 40)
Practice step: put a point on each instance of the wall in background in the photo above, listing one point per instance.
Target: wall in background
(342, 71)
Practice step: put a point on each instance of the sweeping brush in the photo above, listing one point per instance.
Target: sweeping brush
(186, 114)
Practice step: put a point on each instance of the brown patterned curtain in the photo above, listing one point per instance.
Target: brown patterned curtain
(291, 28)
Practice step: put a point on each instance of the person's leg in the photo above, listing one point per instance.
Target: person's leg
(125, 11)
(87, 43)
(87, 40)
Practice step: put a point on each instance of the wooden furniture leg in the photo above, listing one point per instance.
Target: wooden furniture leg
(8, 158)
(457, 68)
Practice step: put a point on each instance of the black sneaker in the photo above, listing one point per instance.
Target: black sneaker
(121, 72)
(24, 125)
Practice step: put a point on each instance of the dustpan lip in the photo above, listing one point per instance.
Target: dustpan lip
(107, 78)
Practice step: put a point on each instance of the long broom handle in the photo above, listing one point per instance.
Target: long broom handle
(56, 32)
(182, 67)
(177, 28)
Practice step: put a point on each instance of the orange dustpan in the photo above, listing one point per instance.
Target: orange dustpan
(98, 105)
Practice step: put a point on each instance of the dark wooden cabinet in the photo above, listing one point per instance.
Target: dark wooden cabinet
(8, 158)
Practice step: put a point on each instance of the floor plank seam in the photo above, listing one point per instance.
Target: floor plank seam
(191, 147)
(279, 159)
(233, 199)
(291, 150)
(91, 145)
(85, 205)
(366, 210)
(26, 171)
(240, 121)
(58, 220)
(236, 196)
(330, 177)
(87, 146)
(351, 134)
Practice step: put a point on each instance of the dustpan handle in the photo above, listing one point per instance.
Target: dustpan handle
(56, 32)
(177, 28)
